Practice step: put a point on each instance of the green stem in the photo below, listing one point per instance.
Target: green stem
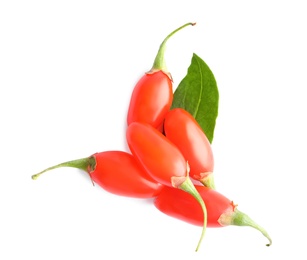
(189, 187)
(82, 164)
(238, 218)
(159, 62)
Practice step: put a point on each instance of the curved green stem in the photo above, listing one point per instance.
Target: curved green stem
(189, 187)
(241, 219)
(159, 62)
(82, 164)
(238, 218)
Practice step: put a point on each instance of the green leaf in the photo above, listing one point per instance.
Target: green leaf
(198, 94)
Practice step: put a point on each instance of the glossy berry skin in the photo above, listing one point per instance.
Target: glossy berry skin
(151, 99)
(119, 173)
(182, 129)
(181, 205)
(161, 158)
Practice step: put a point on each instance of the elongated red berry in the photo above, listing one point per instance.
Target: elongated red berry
(220, 210)
(183, 130)
(152, 96)
(117, 172)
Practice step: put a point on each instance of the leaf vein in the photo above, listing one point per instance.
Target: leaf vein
(201, 90)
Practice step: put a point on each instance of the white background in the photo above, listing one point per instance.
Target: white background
(67, 69)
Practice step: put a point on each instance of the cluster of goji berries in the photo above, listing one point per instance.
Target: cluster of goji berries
(170, 158)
